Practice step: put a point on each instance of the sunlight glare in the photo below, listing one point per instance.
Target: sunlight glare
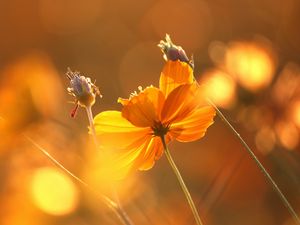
(53, 192)
(251, 64)
(220, 88)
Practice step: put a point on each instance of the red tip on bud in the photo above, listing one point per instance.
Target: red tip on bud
(74, 111)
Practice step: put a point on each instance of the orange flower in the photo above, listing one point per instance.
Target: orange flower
(176, 110)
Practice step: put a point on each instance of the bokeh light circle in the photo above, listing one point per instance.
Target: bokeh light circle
(53, 192)
(219, 87)
(251, 64)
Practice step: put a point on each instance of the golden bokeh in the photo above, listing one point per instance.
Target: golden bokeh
(288, 134)
(265, 140)
(246, 52)
(251, 64)
(295, 111)
(217, 51)
(219, 87)
(31, 88)
(287, 84)
(53, 192)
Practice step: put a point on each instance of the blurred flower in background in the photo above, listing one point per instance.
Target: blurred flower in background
(31, 91)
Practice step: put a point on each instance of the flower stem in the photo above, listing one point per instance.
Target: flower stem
(118, 202)
(111, 204)
(125, 217)
(260, 166)
(92, 127)
(181, 182)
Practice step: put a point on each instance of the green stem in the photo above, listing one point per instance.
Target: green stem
(260, 166)
(181, 182)
(125, 217)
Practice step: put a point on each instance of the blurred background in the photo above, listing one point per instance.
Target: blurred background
(248, 54)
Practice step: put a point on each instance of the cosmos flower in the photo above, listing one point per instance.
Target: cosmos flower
(176, 110)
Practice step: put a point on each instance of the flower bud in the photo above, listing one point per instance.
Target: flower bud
(174, 52)
(82, 89)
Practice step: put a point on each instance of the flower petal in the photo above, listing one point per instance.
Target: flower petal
(194, 126)
(123, 145)
(118, 164)
(114, 131)
(181, 102)
(143, 109)
(125, 148)
(140, 156)
(175, 73)
(152, 153)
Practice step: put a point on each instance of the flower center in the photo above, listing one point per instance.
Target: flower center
(160, 129)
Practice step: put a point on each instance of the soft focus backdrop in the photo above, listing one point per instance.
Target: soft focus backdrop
(248, 53)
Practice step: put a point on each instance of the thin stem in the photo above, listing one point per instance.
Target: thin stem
(260, 166)
(118, 202)
(93, 131)
(181, 182)
(92, 127)
(111, 204)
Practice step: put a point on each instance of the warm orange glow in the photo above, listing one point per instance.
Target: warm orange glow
(148, 66)
(65, 17)
(53, 192)
(176, 16)
(251, 64)
(296, 113)
(217, 51)
(288, 135)
(176, 110)
(32, 87)
(265, 140)
(286, 84)
(220, 88)
(115, 44)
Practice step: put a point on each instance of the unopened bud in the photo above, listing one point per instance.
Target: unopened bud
(82, 89)
(174, 52)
